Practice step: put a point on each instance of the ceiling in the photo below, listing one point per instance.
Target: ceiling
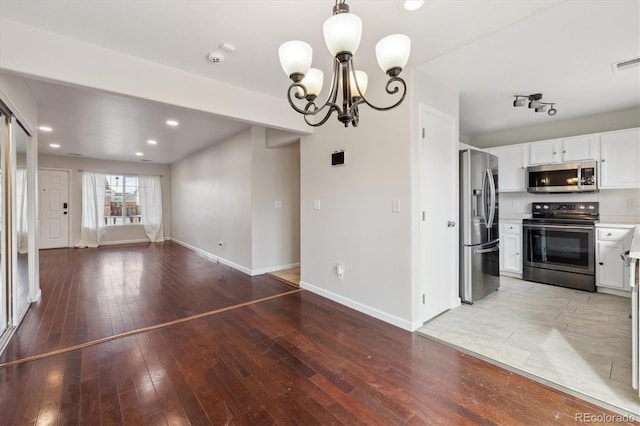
(487, 50)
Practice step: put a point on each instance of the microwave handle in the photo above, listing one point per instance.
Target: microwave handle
(579, 177)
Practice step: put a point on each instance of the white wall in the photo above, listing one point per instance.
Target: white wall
(556, 128)
(15, 93)
(355, 226)
(212, 199)
(227, 192)
(275, 231)
(129, 233)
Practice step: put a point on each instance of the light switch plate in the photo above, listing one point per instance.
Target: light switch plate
(395, 205)
(278, 204)
(316, 204)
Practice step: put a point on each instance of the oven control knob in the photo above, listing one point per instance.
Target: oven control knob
(591, 207)
(581, 207)
(546, 207)
(538, 206)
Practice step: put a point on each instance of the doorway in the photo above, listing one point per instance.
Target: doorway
(53, 218)
(439, 212)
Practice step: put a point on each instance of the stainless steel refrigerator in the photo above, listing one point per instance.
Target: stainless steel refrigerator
(479, 237)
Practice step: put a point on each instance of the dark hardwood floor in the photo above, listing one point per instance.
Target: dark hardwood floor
(296, 358)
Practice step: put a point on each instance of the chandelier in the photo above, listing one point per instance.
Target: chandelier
(342, 33)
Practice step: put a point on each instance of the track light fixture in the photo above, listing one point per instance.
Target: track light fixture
(535, 103)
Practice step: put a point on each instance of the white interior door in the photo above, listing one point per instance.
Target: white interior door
(439, 203)
(53, 217)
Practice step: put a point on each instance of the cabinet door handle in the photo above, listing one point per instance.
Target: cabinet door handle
(609, 234)
(600, 263)
(603, 160)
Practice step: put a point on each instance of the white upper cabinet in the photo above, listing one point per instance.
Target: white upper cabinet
(512, 162)
(544, 152)
(580, 148)
(620, 159)
(577, 148)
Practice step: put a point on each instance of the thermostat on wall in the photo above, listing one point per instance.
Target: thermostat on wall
(339, 158)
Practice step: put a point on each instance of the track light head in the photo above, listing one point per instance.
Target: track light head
(535, 103)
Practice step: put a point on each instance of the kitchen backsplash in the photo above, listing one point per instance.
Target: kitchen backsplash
(614, 203)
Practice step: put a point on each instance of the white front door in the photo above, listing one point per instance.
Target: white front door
(53, 217)
(439, 204)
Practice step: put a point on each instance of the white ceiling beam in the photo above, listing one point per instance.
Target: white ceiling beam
(34, 52)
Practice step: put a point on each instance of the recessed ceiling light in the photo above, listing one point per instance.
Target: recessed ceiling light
(54, 145)
(139, 154)
(412, 5)
(152, 142)
(172, 123)
(45, 128)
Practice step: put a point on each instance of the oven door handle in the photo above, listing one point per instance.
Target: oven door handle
(565, 227)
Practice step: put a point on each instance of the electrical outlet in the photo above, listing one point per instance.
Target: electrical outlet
(316, 204)
(516, 203)
(631, 203)
(278, 204)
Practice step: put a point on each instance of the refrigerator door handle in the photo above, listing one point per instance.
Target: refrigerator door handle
(484, 198)
(492, 200)
(489, 250)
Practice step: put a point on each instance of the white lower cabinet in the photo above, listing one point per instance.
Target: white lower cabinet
(511, 247)
(611, 272)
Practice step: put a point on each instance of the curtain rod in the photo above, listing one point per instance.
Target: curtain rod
(112, 173)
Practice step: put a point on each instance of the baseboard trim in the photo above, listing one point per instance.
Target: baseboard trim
(274, 268)
(360, 307)
(213, 257)
(117, 243)
(614, 292)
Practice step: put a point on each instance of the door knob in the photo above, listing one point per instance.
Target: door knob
(451, 224)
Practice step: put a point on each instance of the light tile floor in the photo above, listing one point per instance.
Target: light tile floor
(577, 341)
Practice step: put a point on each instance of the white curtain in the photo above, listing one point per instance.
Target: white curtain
(21, 209)
(151, 207)
(93, 191)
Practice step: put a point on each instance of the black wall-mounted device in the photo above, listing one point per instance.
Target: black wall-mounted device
(339, 158)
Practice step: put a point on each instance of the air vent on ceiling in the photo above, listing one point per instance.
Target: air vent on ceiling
(144, 159)
(623, 65)
(75, 154)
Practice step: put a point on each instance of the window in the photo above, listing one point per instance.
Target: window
(121, 200)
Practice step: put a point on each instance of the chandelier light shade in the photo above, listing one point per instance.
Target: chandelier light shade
(535, 103)
(295, 57)
(342, 34)
(363, 81)
(393, 52)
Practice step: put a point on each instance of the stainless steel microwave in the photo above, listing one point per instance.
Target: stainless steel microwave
(563, 177)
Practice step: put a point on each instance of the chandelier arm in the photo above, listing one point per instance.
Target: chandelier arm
(324, 119)
(330, 101)
(390, 91)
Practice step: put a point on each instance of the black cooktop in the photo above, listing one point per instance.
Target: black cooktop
(565, 213)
